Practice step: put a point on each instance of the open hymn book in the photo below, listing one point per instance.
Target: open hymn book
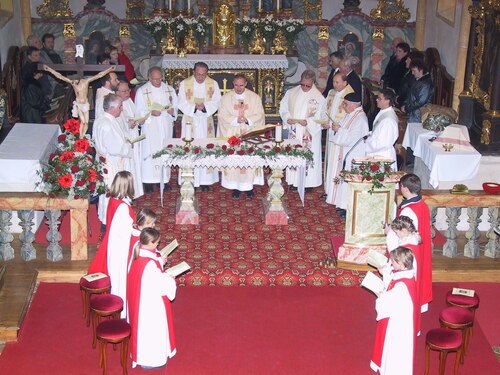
(167, 250)
(373, 283)
(376, 259)
(159, 107)
(178, 269)
(137, 139)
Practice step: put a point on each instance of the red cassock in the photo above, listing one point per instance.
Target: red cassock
(424, 257)
(395, 335)
(100, 261)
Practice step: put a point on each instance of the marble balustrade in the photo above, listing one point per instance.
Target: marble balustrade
(24, 204)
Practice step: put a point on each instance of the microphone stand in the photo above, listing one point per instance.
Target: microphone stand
(364, 138)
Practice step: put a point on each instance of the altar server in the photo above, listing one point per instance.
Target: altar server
(298, 111)
(385, 129)
(393, 352)
(199, 98)
(150, 291)
(131, 127)
(348, 132)
(111, 142)
(240, 110)
(331, 111)
(159, 101)
(112, 255)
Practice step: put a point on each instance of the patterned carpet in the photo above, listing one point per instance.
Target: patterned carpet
(233, 247)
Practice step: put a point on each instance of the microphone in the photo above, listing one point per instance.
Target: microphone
(363, 138)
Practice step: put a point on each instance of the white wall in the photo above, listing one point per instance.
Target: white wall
(441, 35)
(11, 34)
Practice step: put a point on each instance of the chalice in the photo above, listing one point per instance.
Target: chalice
(448, 147)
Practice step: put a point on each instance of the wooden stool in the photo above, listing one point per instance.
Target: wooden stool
(458, 318)
(444, 341)
(471, 303)
(87, 288)
(104, 306)
(113, 332)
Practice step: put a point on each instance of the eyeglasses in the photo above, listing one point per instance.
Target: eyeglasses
(304, 85)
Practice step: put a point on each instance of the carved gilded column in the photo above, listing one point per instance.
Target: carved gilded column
(463, 42)
(25, 19)
(377, 52)
(69, 43)
(420, 25)
(323, 53)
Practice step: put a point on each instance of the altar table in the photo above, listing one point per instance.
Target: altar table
(434, 164)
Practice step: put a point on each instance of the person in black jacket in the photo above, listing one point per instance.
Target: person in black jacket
(420, 93)
(335, 59)
(34, 103)
(347, 69)
(408, 79)
(394, 73)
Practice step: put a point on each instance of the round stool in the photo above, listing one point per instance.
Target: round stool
(471, 303)
(113, 332)
(104, 306)
(458, 318)
(87, 288)
(444, 341)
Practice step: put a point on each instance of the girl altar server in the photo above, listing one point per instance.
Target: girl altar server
(149, 294)
(112, 255)
(394, 348)
(145, 219)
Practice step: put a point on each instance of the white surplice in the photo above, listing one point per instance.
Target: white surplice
(128, 112)
(157, 129)
(297, 104)
(353, 127)
(232, 105)
(99, 100)
(200, 122)
(385, 134)
(111, 143)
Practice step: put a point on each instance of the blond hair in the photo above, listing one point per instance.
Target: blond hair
(145, 216)
(403, 222)
(404, 256)
(122, 186)
(147, 236)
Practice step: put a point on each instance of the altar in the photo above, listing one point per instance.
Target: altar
(265, 73)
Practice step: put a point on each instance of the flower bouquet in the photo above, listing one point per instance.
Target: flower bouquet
(72, 170)
(158, 28)
(376, 172)
(245, 28)
(291, 29)
(201, 27)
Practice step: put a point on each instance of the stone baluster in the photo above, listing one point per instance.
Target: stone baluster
(434, 211)
(187, 206)
(6, 250)
(471, 248)
(27, 236)
(492, 248)
(450, 247)
(54, 250)
(274, 210)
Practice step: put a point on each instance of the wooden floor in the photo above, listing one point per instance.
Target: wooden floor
(21, 278)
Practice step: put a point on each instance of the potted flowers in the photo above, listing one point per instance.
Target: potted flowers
(374, 172)
(158, 28)
(72, 170)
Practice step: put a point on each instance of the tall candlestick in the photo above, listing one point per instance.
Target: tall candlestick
(260, 4)
(188, 135)
(279, 135)
(277, 4)
(189, 4)
(169, 4)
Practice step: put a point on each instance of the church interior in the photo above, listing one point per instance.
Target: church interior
(275, 283)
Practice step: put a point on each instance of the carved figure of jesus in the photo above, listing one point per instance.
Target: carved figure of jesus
(81, 105)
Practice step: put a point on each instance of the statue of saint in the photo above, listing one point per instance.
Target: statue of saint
(224, 34)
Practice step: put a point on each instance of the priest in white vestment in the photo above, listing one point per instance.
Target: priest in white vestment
(298, 110)
(348, 132)
(109, 83)
(385, 129)
(131, 127)
(240, 110)
(111, 143)
(333, 111)
(199, 97)
(159, 100)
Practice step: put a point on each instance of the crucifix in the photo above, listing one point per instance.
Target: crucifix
(79, 83)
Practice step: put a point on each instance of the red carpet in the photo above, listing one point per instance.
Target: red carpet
(241, 331)
(232, 246)
(65, 229)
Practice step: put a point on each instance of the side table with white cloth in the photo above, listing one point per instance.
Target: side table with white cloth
(22, 153)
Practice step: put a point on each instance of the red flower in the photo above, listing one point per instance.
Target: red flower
(224, 147)
(267, 146)
(65, 180)
(92, 174)
(79, 183)
(57, 169)
(102, 158)
(75, 168)
(76, 196)
(197, 150)
(210, 145)
(52, 156)
(61, 138)
(72, 125)
(234, 141)
(277, 149)
(81, 145)
(368, 178)
(374, 167)
(46, 175)
(298, 146)
(170, 146)
(250, 150)
(92, 186)
(381, 179)
(362, 167)
(105, 171)
(288, 149)
(67, 156)
(230, 151)
(186, 149)
(241, 152)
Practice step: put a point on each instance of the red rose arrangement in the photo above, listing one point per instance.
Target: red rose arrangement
(234, 141)
(72, 170)
(374, 172)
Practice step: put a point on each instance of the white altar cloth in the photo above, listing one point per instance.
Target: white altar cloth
(173, 61)
(21, 154)
(455, 166)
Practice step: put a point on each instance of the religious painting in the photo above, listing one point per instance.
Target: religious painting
(445, 9)
(94, 46)
(351, 46)
(269, 92)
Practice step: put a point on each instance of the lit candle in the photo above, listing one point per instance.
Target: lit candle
(188, 135)
(169, 4)
(278, 5)
(260, 4)
(189, 4)
(279, 135)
